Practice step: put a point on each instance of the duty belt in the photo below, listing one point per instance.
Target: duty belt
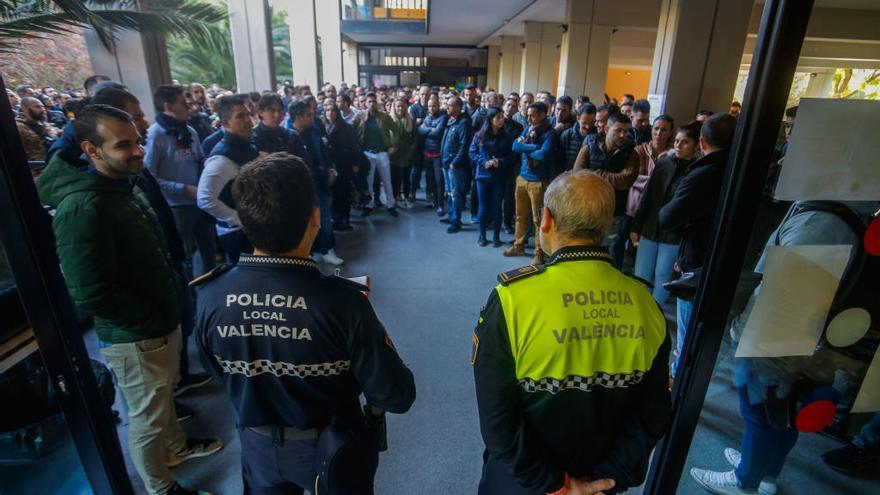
(286, 433)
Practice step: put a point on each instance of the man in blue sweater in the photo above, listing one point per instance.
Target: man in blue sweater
(455, 160)
(536, 146)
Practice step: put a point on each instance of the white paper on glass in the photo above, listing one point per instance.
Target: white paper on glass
(834, 152)
(868, 399)
(795, 296)
(658, 102)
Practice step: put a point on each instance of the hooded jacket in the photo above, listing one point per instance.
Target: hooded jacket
(113, 253)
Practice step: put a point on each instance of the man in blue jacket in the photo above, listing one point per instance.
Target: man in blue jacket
(536, 146)
(431, 131)
(455, 160)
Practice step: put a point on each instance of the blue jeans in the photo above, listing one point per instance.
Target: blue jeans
(682, 318)
(764, 447)
(273, 468)
(491, 195)
(654, 262)
(618, 249)
(869, 435)
(458, 183)
(325, 240)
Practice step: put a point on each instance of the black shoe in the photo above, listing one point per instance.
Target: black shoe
(445, 220)
(183, 412)
(453, 228)
(191, 381)
(497, 243)
(179, 490)
(393, 211)
(851, 459)
(366, 212)
(343, 227)
(482, 241)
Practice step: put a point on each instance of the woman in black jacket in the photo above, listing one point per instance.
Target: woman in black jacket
(345, 153)
(658, 248)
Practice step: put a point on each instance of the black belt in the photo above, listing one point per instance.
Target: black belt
(287, 433)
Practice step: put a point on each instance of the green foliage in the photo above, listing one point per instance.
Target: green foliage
(281, 46)
(22, 19)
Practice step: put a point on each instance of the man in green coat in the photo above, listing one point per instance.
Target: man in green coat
(117, 267)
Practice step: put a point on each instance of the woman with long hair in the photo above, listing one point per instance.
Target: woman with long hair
(345, 153)
(491, 152)
(404, 150)
(658, 248)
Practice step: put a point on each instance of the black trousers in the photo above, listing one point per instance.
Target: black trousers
(342, 190)
(235, 243)
(498, 479)
(269, 468)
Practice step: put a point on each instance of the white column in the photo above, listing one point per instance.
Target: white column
(251, 26)
(820, 85)
(493, 66)
(583, 59)
(139, 61)
(697, 55)
(542, 40)
(510, 64)
(303, 41)
(350, 63)
(327, 20)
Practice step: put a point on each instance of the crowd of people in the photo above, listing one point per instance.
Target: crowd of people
(477, 153)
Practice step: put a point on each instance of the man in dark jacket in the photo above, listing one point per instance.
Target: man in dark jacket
(116, 266)
(576, 410)
(431, 131)
(691, 211)
(536, 145)
(456, 163)
(419, 111)
(514, 129)
(612, 156)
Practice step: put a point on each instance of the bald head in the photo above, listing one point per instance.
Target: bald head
(581, 210)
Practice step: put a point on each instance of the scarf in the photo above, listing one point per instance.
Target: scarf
(175, 128)
(236, 149)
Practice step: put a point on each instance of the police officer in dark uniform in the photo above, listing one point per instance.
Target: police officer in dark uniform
(295, 348)
(570, 360)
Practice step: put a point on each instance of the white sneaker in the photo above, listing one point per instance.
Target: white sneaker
(719, 483)
(317, 257)
(768, 484)
(331, 258)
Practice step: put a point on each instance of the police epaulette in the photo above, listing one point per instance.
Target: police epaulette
(218, 270)
(350, 283)
(640, 280)
(505, 278)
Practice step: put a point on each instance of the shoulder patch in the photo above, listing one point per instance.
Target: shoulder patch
(350, 283)
(639, 280)
(207, 277)
(520, 273)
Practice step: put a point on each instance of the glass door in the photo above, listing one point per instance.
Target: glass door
(58, 433)
(778, 383)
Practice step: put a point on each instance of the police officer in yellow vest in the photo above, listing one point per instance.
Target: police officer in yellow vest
(570, 360)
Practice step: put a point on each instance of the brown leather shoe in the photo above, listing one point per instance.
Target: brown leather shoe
(537, 260)
(515, 251)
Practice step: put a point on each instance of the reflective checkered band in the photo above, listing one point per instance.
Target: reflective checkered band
(580, 255)
(585, 383)
(280, 368)
(277, 260)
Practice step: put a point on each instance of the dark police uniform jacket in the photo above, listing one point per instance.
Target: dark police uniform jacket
(570, 365)
(294, 347)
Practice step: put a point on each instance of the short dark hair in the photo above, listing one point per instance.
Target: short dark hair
(345, 97)
(791, 112)
(108, 84)
(254, 96)
(611, 108)
(85, 126)
(526, 93)
(736, 104)
(691, 129)
(114, 97)
(226, 104)
(268, 100)
(165, 93)
(21, 88)
(665, 118)
(539, 106)
(93, 80)
(565, 100)
(707, 113)
(587, 108)
(298, 108)
(642, 106)
(618, 118)
(629, 95)
(718, 130)
(370, 94)
(470, 87)
(274, 197)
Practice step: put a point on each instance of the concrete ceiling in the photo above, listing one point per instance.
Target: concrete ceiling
(842, 33)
